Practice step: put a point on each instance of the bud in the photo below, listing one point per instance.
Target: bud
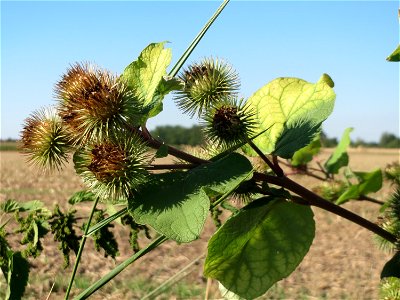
(205, 84)
(44, 140)
(93, 103)
(113, 168)
(229, 123)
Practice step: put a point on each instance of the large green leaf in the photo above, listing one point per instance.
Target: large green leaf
(306, 154)
(368, 182)
(145, 75)
(176, 204)
(259, 246)
(339, 158)
(290, 107)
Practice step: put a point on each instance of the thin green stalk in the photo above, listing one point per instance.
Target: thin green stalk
(106, 221)
(102, 281)
(81, 246)
(196, 40)
(172, 279)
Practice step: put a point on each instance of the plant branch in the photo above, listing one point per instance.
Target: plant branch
(277, 170)
(315, 200)
(171, 167)
(369, 199)
(81, 246)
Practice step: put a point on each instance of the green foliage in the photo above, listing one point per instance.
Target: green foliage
(392, 173)
(339, 158)
(178, 135)
(102, 119)
(34, 227)
(145, 75)
(395, 55)
(4, 249)
(304, 155)
(389, 140)
(258, 246)
(10, 206)
(17, 275)
(82, 196)
(104, 238)
(290, 103)
(62, 228)
(134, 231)
(389, 289)
(368, 182)
(331, 190)
(176, 204)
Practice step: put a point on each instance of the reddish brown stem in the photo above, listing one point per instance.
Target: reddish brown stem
(315, 200)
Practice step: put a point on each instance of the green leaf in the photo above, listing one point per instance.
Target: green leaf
(9, 206)
(290, 104)
(370, 182)
(162, 151)
(392, 267)
(395, 56)
(18, 275)
(259, 246)
(306, 154)
(351, 192)
(145, 77)
(339, 158)
(176, 204)
(82, 196)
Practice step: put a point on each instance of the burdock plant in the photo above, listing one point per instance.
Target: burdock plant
(44, 139)
(206, 84)
(229, 122)
(113, 168)
(93, 103)
(101, 118)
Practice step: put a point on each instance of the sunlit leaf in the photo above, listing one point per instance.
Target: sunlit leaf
(145, 77)
(288, 105)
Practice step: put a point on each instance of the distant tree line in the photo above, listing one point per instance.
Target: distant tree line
(387, 140)
(193, 136)
(179, 135)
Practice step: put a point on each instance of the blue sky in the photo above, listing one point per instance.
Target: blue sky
(261, 39)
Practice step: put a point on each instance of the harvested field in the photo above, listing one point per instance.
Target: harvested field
(344, 261)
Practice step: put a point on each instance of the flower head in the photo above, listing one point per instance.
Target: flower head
(229, 122)
(113, 168)
(93, 103)
(205, 84)
(44, 140)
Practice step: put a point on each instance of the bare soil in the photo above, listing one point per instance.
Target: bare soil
(344, 261)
